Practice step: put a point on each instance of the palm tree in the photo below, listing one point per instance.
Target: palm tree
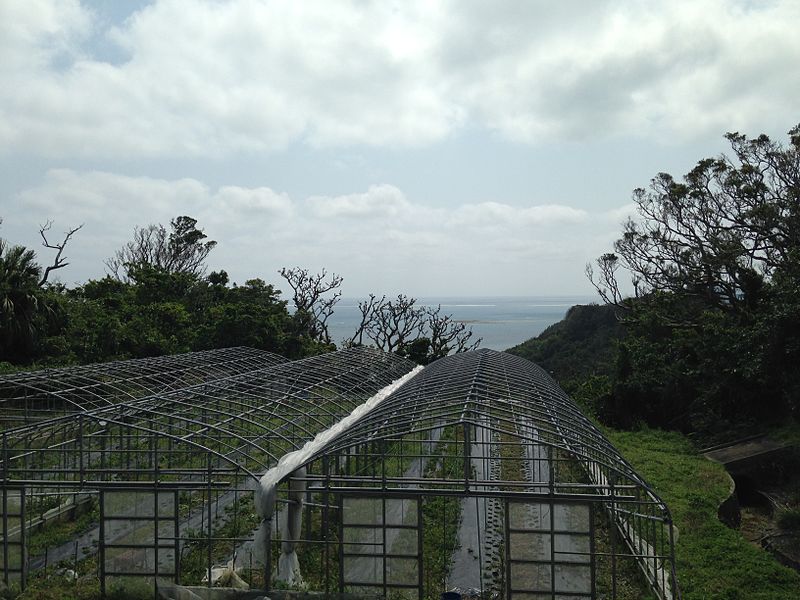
(19, 300)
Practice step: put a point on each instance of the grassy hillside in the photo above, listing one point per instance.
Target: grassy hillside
(713, 561)
(580, 345)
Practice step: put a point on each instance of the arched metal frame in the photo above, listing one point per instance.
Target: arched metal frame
(37, 395)
(211, 440)
(520, 441)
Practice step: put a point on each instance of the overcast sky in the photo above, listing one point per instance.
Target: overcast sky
(433, 148)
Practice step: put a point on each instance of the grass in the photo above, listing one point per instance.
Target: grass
(52, 585)
(60, 532)
(713, 561)
(238, 523)
(441, 514)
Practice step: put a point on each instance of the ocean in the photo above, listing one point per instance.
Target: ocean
(501, 321)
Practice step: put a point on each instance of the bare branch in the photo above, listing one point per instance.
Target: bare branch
(59, 261)
(309, 298)
(182, 250)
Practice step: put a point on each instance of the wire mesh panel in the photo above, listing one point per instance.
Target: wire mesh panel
(380, 547)
(36, 395)
(13, 559)
(139, 537)
(209, 443)
(506, 432)
(549, 549)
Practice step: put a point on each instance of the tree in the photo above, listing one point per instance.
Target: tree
(713, 329)
(59, 261)
(422, 333)
(181, 250)
(19, 301)
(446, 334)
(718, 235)
(312, 307)
(24, 305)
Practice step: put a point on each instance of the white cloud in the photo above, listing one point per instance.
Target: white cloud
(212, 79)
(255, 202)
(496, 214)
(621, 214)
(378, 201)
(111, 205)
(378, 239)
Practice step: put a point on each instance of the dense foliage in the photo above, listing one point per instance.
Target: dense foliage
(712, 334)
(156, 302)
(156, 313)
(579, 346)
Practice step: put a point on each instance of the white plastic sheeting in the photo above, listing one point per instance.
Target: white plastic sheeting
(288, 564)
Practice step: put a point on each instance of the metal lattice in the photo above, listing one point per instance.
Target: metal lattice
(37, 395)
(556, 510)
(211, 441)
(479, 466)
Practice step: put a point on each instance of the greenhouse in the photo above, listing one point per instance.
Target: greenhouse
(350, 474)
(37, 395)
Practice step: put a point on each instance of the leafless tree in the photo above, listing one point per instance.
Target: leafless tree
(310, 300)
(59, 261)
(446, 334)
(606, 282)
(395, 325)
(366, 308)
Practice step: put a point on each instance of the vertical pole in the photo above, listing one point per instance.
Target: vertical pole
(420, 550)
(5, 527)
(208, 517)
(553, 547)
(267, 524)
(156, 523)
(592, 561)
(340, 524)
(80, 447)
(23, 546)
(102, 561)
(467, 455)
(552, 507)
(673, 576)
(480, 540)
(325, 531)
(656, 548)
(176, 533)
(507, 546)
(383, 543)
(612, 515)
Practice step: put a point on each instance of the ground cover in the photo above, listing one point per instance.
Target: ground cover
(713, 561)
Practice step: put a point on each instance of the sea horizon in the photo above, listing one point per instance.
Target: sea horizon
(501, 321)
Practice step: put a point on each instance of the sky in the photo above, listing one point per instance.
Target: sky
(453, 148)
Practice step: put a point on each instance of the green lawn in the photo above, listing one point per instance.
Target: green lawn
(713, 561)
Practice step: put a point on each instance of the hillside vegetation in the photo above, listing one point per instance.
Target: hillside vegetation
(707, 348)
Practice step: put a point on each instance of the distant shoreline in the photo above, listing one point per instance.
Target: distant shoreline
(502, 321)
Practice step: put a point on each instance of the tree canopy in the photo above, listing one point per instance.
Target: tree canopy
(402, 326)
(713, 327)
(181, 250)
(157, 300)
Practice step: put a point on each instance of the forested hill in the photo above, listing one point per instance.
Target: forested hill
(580, 345)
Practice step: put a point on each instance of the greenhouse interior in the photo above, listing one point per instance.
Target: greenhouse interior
(352, 474)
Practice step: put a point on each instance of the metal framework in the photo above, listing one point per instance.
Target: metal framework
(479, 472)
(186, 457)
(541, 505)
(37, 395)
